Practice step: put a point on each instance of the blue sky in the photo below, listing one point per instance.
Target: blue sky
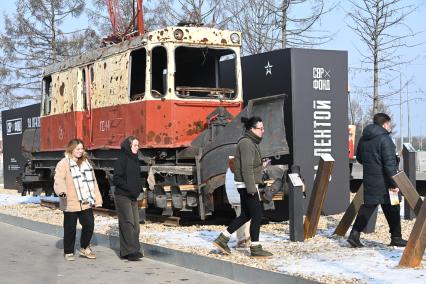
(345, 39)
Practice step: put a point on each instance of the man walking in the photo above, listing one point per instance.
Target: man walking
(377, 154)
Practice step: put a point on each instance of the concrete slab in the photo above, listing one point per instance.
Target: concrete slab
(204, 264)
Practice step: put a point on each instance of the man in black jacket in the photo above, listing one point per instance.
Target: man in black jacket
(377, 154)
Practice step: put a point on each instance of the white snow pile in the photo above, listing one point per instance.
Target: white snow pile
(7, 200)
(369, 264)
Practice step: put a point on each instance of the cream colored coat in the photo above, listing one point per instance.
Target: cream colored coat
(64, 183)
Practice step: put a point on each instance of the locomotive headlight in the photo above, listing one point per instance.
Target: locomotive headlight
(178, 34)
(235, 38)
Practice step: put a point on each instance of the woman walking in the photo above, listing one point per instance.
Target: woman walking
(128, 184)
(248, 175)
(78, 191)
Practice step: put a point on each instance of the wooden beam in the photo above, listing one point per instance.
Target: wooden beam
(409, 191)
(182, 187)
(350, 213)
(318, 194)
(413, 252)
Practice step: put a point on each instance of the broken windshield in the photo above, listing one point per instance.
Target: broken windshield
(198, 73)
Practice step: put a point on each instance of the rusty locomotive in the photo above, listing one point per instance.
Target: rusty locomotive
(164, 87)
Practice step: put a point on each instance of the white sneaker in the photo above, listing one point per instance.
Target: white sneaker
(69, 256)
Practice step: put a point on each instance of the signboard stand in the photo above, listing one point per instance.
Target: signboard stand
(409, 157)
(296, 207)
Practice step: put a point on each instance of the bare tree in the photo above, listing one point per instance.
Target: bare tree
(272, 24)
(33, 39)
(198, 12)
(125, 13)
(380, 26)
(257, 23)
(360, 117)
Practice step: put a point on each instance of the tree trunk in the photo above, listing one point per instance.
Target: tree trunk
(284, 8)
(376, 67)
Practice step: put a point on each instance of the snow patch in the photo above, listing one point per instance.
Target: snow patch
(7, 200)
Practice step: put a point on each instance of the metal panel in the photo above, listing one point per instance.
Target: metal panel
(215, 154)
(14, 123)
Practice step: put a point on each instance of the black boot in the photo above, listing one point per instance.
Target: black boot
(222, 243)
(134, 256)
(398, 242)
(353, 239)
(258, 252)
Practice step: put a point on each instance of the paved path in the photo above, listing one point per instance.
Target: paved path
(30, 257)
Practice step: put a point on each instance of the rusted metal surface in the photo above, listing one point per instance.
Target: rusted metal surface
(214, 160)
(64, 90)
(350, 213)
(162, 124)
(158, 124)
(191, 35)
(56, 131)
(166, 220)
(319, 192)
(211, 92)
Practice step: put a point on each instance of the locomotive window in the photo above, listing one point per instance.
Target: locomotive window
(198, 73)
(159, 72)
(137, 74)
(47, 95)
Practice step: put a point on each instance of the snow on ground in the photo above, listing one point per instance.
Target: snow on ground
(326, 258)
(8, 199)
(368, 264)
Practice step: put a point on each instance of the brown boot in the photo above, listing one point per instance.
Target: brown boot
(222, 243)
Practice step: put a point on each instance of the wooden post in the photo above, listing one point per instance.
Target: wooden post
(295, 207)
(409, 191)
(413, 252)
(318, 194)
(409, 157)
(200, 189)
(350, 213)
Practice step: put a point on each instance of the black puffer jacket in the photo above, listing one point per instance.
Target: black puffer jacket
(127, 178)
(377, 153)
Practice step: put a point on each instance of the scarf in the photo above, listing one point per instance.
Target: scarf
(84, 181)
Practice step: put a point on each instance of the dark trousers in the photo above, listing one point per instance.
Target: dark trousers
(87, 222)
(128, 224)
(251, 209)
(392, 214)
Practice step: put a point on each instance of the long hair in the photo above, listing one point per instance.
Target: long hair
(72, 144)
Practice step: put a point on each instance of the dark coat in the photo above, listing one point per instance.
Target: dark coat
(377, 154)
(127, 177)
(248, 161)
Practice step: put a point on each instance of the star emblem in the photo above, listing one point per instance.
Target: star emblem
(268, 68)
